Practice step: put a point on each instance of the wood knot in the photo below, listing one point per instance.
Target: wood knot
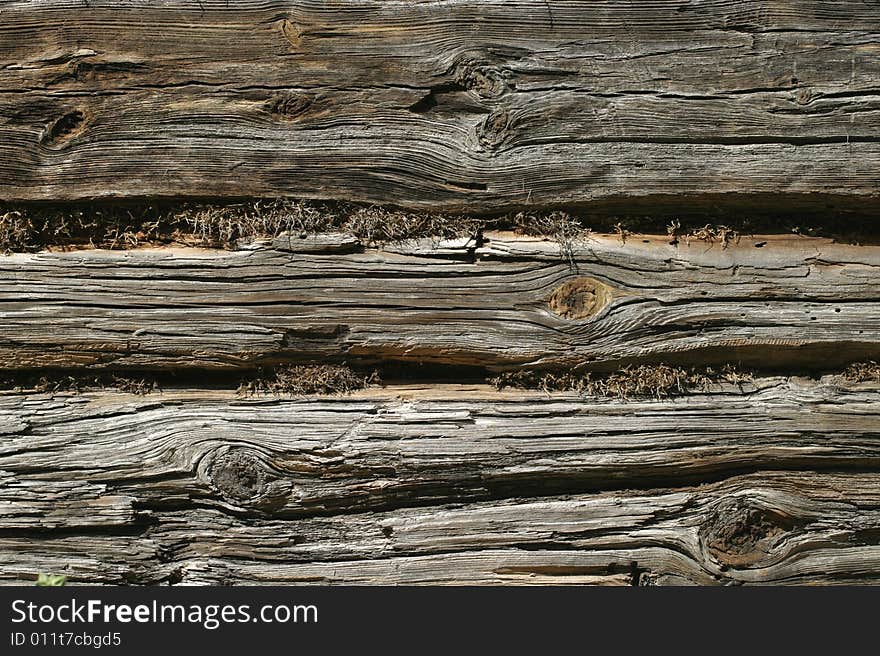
(739, 533)
(238, 475)
(288, 106)
(580, 298)
(64, 129)
(292, 33)
(492, 132)
(482, 81)
(486, 82)
(803, 96)
(242, 478)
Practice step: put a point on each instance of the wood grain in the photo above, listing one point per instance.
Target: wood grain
(481, 106)
(779, 529)
(512, 302)
(385, 448)
(449, 484)
(470, 105)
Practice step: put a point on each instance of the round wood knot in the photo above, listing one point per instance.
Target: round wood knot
(291, 32)
(580, 298)
(243, 478)
(288, 106)
(485, 82)
(480, 77)
(63, 129)
(803, 96)
(238, 475)
(739, 533)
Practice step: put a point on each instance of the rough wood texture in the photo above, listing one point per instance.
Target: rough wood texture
(480, 106)
(471, 105)
(444, 485)
(511, 302)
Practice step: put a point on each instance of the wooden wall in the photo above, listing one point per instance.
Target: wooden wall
(719, 111)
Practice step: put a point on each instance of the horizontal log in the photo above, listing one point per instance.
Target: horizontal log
(767, 528)
(511, 302)
(444, 484)
(465, 105)
(94, 461)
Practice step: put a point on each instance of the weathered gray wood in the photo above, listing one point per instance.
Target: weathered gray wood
(768, 528)
(472, 105)
(512, 302)
(464, 104)
(94, 460)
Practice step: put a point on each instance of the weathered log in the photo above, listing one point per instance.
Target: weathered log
(511, 302)
(768, 528)
(473, 105)
(91, 461)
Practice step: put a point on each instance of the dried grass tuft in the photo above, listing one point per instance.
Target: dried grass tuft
(140, 386)
(60, 382)
(862, 372)
(36, 228)
(32, 227)
(224, 225)
(378, 225)
(307, 380)
(645, 381)
(17, 232)
(567, 231)
(713, 233)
